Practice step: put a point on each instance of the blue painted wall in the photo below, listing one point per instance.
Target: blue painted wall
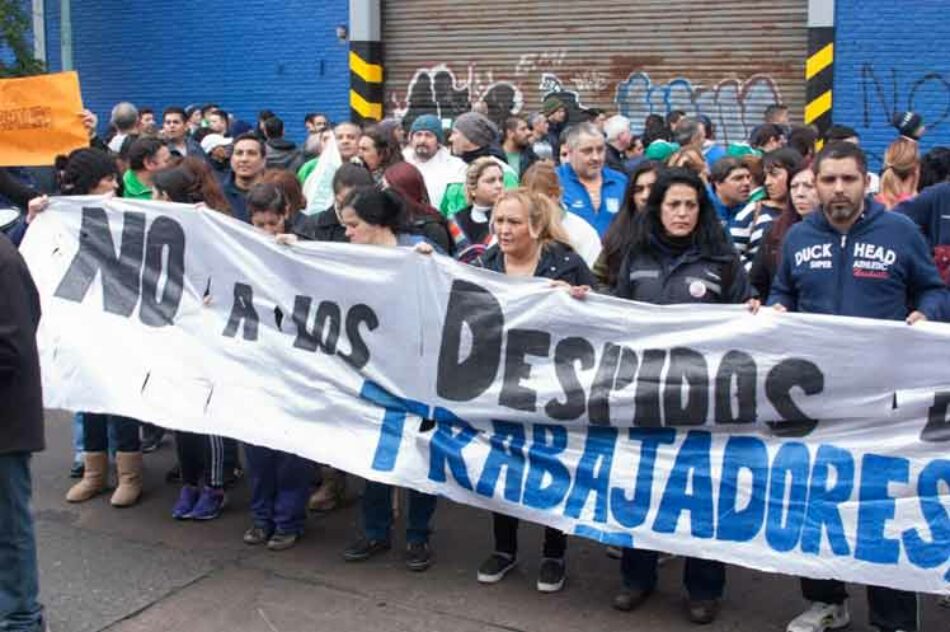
(282, 55)
(891, 57)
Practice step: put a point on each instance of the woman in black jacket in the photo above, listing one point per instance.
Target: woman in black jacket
(679, 254)
(530, 242)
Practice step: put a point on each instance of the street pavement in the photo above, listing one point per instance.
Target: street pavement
(137, 570)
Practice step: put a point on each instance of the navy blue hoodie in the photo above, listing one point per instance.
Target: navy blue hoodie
(880, 269)
(931, 211)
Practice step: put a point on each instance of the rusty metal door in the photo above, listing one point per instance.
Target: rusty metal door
(728, 60)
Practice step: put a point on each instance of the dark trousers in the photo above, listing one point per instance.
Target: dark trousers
(201, 458)
(378, 513)
(280, 487)
(703, 579)
(96, 434)
(19, 609)
(506, 537)
(888, 608)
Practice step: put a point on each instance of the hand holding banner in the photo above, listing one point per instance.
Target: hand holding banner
(40, 118)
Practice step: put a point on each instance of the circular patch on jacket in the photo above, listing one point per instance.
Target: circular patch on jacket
(697, 289)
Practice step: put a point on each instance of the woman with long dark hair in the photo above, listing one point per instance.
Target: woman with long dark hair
(679, 253)
(777, 168)
(617, 238)
(379, 150)
(373, 217)
(802, 200)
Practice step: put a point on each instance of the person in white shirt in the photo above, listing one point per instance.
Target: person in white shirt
(427, 153)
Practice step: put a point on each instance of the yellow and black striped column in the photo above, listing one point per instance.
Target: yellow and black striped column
(366, 81)
(366, 61)
(820, 66)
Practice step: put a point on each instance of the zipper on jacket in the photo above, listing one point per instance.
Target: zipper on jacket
(841, 272)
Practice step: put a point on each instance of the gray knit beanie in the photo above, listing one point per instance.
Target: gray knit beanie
(477, 128)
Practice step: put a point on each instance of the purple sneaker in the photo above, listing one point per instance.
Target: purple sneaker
(209, 504)
(187, 498)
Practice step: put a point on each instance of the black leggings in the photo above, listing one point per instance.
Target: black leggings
(506, 537)
(95, 433)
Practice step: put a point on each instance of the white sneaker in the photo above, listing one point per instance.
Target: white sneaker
(821, 617)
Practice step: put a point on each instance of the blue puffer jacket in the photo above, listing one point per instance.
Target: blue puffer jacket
(577, 200)
(880, 269)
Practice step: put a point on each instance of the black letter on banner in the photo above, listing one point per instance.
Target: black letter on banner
(164, 233)
(475, 306)
(598, 406)
(120, 275)
(938, 427)
(242, 309)
(312, 340)
(567, 352)
(783, 377)
(359, 354)
(647, 401)
(741, 367)
(521, 342)
(687, 368)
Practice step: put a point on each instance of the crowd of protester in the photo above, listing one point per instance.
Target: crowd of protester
(668, 216)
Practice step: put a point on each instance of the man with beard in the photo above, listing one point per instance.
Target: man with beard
(427, 153)
(247, 166)
(517, 145)
(853, 258)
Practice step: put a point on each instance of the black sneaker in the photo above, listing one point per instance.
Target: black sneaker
(77, 470)
(551, 575)
(418, 556)
(256, 535)
(494, 569)
(364, 548)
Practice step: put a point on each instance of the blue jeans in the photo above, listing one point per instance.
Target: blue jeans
(280, 486)
(378, 513)
(19, 586)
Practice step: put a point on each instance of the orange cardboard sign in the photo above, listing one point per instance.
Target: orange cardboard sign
(40, 119)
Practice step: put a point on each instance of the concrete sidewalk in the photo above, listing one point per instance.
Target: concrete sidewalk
(137, 570)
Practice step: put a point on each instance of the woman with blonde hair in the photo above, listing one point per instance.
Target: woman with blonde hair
(901, 173)
(470, 228)
(541, 177)
(530, 242)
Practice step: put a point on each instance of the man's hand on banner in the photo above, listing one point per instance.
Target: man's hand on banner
(781, 309)
(286, 239)
(423, 248)
(915, 317)
(36, 206)
(753, 305)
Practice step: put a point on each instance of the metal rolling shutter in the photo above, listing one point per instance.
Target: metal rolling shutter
(727, 59)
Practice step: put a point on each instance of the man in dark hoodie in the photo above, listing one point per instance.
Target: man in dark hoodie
(281, 153)
(852, 258)
(21, 434)
(517, 145)
(474, 136)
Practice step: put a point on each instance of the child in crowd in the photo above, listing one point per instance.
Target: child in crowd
(280, 481)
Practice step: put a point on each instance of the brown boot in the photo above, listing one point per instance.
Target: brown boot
(94, 478)
(128, 467)
(330, 492)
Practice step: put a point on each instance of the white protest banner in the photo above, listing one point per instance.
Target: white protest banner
(809, 445)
